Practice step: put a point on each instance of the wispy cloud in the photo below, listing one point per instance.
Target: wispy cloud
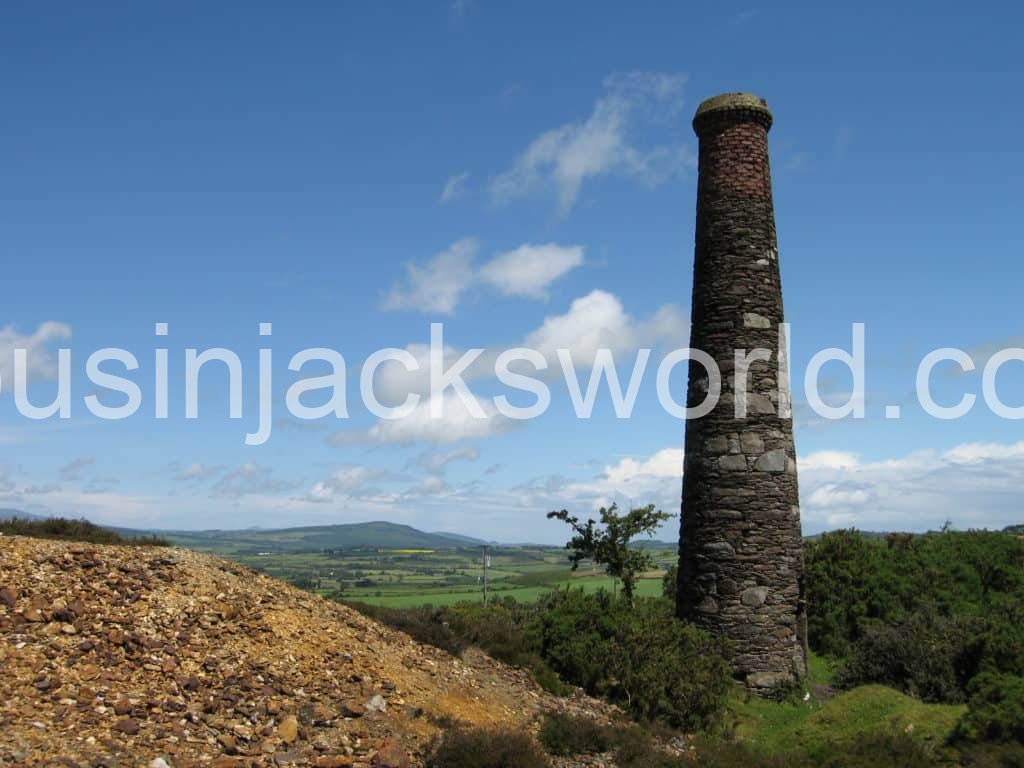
(39, 357)
(436, 285)
(603, 143)
(72, 471)
(435, 462)
(454, 187)
(251, 479)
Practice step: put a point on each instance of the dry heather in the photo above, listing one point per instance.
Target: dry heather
(127, 656)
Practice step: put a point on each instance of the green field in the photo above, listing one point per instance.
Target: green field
(410, 576)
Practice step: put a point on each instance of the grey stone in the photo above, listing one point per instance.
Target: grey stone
(754, 320)
(768, 679)
(718, 444)
(759, 405)
(773, 461)
(733, 461)
(708, 605)
(754, 596)
(719, 548)
(751, 442)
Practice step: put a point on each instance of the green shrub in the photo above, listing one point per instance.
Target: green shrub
(425, 625)
(854, 581)
(486, 748)
(995, 710)
(670, 583)
(994, 756)
(563, 734)
(640, 657)
(634, 748)
(926, 655)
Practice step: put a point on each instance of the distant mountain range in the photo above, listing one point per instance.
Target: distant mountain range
(375, 535)
(378, 535)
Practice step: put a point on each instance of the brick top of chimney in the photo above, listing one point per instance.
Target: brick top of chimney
(732, 105)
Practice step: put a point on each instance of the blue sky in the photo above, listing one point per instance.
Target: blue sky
(524, 174)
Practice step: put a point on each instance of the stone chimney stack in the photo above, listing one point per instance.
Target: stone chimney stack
(740, 546)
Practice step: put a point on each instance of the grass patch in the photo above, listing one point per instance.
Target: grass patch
(820, 670)
(822, 729)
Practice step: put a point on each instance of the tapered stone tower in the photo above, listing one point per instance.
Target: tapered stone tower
(740, 545)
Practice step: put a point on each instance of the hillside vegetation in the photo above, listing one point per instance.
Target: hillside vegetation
(918, 657)
(73, 530)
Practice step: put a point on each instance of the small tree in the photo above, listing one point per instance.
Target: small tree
(609, 546)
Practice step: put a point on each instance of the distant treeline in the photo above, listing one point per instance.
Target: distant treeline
(74, 530)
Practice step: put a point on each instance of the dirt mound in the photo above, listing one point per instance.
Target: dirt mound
(132, 656)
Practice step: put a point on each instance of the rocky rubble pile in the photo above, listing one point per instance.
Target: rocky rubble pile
(134, 656)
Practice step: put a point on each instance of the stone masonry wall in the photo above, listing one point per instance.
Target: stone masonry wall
(741, 558)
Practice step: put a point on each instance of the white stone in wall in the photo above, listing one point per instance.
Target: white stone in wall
(754, 320)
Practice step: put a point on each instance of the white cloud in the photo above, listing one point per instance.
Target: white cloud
(979, 453)
(827, 460)
(40, 360)
(529, 270)
(603, 143)
(454, 187)
(668, 462)
(348, 482)
(599, 321)
(973, 484)
(595, 321)
(455, 425)
(437, 286)
(392, 381)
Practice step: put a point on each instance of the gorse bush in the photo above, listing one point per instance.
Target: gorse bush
(854, 582)
(563, 734)
(640, 656)
(926, 655)
(996, 709)
(74, 530)
(426, 625)
(485, 748)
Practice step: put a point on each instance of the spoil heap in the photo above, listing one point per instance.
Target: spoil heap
(133, 656)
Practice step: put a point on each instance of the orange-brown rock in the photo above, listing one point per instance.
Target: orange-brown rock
(181, 657)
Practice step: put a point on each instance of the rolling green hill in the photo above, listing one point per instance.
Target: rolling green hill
(378, 535)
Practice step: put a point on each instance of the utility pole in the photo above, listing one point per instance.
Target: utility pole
(487, 564)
